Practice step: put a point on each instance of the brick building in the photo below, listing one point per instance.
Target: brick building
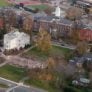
(53, 24)
(85, 34)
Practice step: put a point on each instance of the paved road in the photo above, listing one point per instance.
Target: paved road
(71, 47)
(25, 89)
(7, 82)
(2, 90)
(19, 87)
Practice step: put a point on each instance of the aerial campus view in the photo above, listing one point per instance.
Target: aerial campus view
(45, 45)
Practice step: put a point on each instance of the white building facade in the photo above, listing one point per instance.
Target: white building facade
(16, 40)
(59, 12)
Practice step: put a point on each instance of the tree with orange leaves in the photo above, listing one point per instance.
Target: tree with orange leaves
(43, 40)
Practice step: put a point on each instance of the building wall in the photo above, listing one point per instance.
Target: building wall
(16, 43)
(61, 28)
(85, 35)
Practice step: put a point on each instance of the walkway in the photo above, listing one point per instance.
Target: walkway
(26, 50)
(71, 47)
(1, 65)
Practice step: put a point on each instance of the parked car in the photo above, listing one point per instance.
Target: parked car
(81, 82)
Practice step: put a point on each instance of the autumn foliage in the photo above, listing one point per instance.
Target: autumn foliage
(82, 48)
(27, 25)
(43, 40)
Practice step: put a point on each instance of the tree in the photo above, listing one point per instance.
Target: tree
(9, 18)
(75, 36)
(82, 48)
(48, 11)
(90, 75)
(43, 40)
(51, 63)
(27, 25)
(74, 13)
(87, 10)
(58, 79)
(36, 10)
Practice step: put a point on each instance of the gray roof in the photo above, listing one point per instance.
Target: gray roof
(40, 14)
(66, 21)
(51, 18)
(48, 18)
(88, 55)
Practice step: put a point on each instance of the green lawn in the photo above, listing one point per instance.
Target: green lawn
(42, 84)
(55, 51)
(12, 72)
(3, 3)
(40, 7)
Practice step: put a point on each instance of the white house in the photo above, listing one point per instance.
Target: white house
(16, 40)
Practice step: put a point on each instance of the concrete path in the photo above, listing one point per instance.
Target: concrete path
(26, 50)
(1, 65)
(65, 46)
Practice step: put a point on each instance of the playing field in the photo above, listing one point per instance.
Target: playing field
(3, 3)
(40, 7)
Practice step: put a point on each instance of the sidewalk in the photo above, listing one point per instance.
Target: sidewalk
(64, 46)
(26, 50)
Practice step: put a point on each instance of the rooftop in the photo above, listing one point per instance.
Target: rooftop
(14, 34)
(56, 19)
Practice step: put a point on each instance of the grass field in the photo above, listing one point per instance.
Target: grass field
(12, 73)
(41, 84)
(3, 3)
(40, 7)
(55, 51)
